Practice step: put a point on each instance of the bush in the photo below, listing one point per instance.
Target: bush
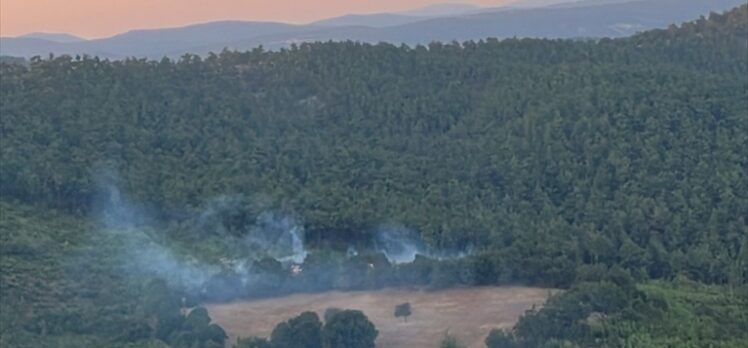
(450, 341)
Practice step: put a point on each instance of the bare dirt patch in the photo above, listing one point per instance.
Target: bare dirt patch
(468, 314)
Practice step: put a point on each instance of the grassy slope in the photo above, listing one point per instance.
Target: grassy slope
(697, 315)
(57, 281)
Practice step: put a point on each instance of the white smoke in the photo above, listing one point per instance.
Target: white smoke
(351, 252)
(146, 250)
(398, 244)
(279, 236)
(401, 245)
(270, 234)
(253, 233)
(131, 227)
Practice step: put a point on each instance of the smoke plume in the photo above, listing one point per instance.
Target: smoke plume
(132, 228)
(401, 245)
(247, 249)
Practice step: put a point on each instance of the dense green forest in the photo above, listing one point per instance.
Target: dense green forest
(615, 169)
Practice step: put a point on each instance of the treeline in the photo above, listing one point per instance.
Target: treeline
(341, 329)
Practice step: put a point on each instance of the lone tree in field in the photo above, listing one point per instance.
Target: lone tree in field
(403, 310)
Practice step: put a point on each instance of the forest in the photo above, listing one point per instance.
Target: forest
(615, 169)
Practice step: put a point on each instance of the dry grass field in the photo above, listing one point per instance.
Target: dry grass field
(468, 314)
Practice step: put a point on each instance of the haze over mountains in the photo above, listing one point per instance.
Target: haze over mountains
(444, 22)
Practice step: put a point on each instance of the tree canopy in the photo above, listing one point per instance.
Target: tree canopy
(547, 154)
(349, 329)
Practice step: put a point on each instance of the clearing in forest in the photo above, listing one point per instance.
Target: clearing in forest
(468, 314)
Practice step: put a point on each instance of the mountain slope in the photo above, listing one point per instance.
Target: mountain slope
(379, 20)
(55, 37)
(442, 10)
(460, 142)
(29, 47)
(583, 19)
(146, 42)
(608, 20)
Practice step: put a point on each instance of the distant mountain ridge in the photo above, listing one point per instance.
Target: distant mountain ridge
(378, 20)
(440, 10)
(55, 37)
(446, 22)
(381, 20)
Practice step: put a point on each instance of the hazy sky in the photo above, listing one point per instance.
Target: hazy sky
(100, 18)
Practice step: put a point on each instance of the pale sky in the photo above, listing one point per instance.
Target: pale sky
(101, 18)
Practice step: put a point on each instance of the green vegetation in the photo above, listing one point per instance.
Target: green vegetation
(615, 169)
(252, 342)
(697, 316)
(302, 331)
(349, 329)
(342, 329)
(450, 341)
(61, 286)
(13, 60)
(656, 314)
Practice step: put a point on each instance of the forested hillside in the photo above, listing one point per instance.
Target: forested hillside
(552, 161)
